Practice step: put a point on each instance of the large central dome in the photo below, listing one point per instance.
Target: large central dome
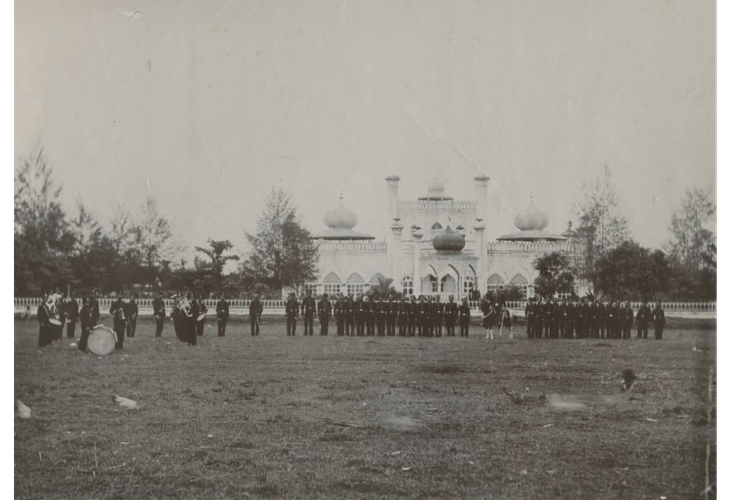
(435, 192)
(448, 241)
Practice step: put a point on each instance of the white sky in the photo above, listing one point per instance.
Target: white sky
(208, 105)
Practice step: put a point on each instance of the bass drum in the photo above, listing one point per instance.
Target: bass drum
(102, 340)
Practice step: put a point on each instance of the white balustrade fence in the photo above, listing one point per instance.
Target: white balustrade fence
(241, 307)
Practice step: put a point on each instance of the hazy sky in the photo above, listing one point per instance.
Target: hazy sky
(207, 105)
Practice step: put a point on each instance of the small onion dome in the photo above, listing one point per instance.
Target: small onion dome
(532, 219)
(531, 223)
(448, 241)
(435, 192)
(340, 222)
(479, 225)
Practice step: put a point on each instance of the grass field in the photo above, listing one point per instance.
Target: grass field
(263, 417)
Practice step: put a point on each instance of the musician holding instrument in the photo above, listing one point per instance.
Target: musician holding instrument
(131, 315)
(160, 313)
(117, 310)
(200, 321)
(71, 315)
(222, 315)
(192, 319)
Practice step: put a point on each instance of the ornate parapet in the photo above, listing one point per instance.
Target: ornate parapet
(330, 246)
(456, 206)
(532, 247)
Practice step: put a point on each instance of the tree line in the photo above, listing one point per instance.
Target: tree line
(139, 251)
(618, 268)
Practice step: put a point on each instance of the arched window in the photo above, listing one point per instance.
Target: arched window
(332, 284)
(522, 284)
(436, 226)
(495, 283)
(355, 284)
(407, 283)
(468, 284)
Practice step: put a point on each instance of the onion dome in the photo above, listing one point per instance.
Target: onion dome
(340, 217)
(340, 222)
(532, 219)
(435, 192)
(531, 223)
(448, 240)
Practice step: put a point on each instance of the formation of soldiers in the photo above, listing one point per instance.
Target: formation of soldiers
(425, 316)
(593, 320)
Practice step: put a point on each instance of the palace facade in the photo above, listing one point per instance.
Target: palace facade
(434, 245)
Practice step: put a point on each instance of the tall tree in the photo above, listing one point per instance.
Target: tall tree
(555, 275)
(42, 235)
(691, 239)
(154, 237)
(217, 259)
(282, 252)
(631, 272)
(601, 227)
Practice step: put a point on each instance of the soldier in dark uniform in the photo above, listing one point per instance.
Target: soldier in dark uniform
(200, 323)
(593, 320)
(403, 317)
(71, 316)
(338, 315)
(464, 317)
(579, 319)
(117, 310)
(359, 314)
(642, 318)
(567, 322)
(369, 311)
(350, 319)
(131, 316)
(423, 314)
(256, 309)
(659, 321)
(291, 312)
(42, 316)
(451, 314)
(222, 315)
(308, 313)
(160, 313)
(629, 317)
(438, 317)
(528, 312)
(324, 313)
(391, 317)
(413, 316)
(381, 311)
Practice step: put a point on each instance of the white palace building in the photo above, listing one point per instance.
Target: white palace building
(435, 245)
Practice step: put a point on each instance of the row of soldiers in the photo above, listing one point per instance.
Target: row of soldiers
(595, 320)
(424, 317)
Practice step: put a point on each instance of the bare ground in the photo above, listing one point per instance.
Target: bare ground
(366, 417)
